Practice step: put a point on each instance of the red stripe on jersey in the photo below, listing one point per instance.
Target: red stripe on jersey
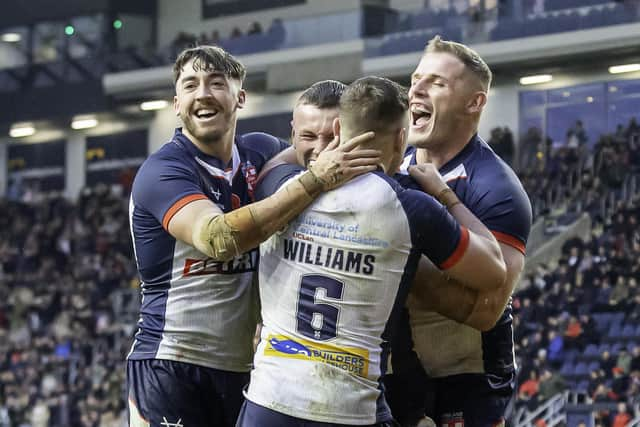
(455, 178)
(179, 205)
(508, 239)
(463, 244)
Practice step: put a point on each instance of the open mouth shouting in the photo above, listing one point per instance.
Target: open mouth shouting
(420, 116)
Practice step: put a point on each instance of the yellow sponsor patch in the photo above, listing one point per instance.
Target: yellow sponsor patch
(352, 360)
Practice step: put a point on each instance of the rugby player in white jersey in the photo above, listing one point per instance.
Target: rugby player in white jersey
(329, 281)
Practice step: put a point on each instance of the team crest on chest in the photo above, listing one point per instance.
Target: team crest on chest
(452, 419)
(250, 176)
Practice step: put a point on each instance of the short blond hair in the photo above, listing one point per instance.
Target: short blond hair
(469, 57)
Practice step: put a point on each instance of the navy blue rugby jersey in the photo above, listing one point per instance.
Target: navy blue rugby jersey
(492, 191)
(328, 284)
(195, 309)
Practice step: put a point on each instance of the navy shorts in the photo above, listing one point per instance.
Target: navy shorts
(168, 393)
(469, 400)
(253, 415)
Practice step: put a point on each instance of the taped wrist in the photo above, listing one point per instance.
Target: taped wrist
(448, 198)
(311, 183)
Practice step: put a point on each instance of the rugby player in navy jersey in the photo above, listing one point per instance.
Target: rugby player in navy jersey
(313, 117)
(472, 372)
(329, 281)
(195, 231)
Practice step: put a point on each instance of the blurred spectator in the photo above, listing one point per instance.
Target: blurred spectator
(203, 39)
(620, 384)
(215, 37)
(624, 361)
(529, 389)
(635, 360)
(550, 384)
(236, 32)
(530, 145)
(556, 347)
(255, 28)
(501, 141)
(573, 334)
(622, 417)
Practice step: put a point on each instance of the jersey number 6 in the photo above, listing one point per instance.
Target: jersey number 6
(318, 320)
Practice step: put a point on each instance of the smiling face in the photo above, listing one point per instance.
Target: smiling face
(207, 101)
(439, 99)
(311, 131)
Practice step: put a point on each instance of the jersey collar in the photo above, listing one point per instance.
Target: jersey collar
(211, 163)
(463, 155)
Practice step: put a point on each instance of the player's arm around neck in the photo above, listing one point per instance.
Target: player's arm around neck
(481, 267)
(222, 236)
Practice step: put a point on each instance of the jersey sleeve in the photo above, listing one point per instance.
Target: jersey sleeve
(163, 186)
(503, 206)
(406, 181)
(434, 231)
(265, 144)
(275, 178)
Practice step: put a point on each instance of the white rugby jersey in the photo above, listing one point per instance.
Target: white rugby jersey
(328, 283)
(195, 309)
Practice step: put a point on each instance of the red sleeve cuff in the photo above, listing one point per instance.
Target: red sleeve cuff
(463, 244)
(179, 205)
(508, 239)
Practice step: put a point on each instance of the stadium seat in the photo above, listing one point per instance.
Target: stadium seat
(628, 331)
(615, 332)
(581, 370)
(591, 352)
(616, 347)
(567, 369)
(593, 366)
(604, 347)
(582, 386)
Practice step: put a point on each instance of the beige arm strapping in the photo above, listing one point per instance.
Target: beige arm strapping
(224, 236)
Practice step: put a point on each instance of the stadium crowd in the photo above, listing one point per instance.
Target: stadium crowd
(62, 341)
(577, 326)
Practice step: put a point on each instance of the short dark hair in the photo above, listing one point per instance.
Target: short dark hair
(373, 103)
(323, 94)
(469, 57)
(209, 58)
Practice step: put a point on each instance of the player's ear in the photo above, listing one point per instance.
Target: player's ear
(336, 126)
(176, 105)
(242, 97)
(400, 143)
(477, 102)
(293, 134)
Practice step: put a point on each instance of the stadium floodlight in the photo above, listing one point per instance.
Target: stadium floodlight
(625, 68)
(535, 79)
(11, 37)
(84, 122)
(20, 130)
(158, 104)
